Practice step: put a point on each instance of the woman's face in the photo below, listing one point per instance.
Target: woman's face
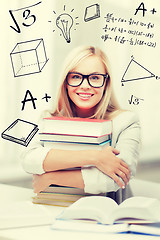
(86, 97)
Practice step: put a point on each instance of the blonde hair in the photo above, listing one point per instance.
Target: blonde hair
(107, 108)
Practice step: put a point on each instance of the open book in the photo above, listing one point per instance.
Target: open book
(149, 228)
(105, 210)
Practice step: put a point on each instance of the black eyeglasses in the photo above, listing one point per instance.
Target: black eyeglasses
(95, 80)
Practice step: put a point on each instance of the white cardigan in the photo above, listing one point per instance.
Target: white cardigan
(125, 137)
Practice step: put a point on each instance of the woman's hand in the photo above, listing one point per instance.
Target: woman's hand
(114, 167)
(40, 182)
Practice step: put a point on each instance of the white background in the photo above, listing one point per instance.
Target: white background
(13, 89)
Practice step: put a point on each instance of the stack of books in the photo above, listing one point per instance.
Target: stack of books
(76, 133)
(59, 196)
(71, 134)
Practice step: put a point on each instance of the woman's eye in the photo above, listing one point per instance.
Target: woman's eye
(76, 77)
(95, 77)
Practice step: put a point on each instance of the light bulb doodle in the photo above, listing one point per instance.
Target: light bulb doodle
(65, 22)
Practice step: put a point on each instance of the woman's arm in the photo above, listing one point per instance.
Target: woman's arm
(38, 159)
(105, 160)
(126, 137)
(69, 178)
(58, 159)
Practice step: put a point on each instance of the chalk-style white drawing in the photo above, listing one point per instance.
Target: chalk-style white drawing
(20, 132)
(28, 57)
(135, 71)
(92, 12)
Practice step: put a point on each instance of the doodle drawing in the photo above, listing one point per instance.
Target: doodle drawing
(65, 22)
(92, 12)
(135, 71)
(28, 57)
(27, 17)
(20, 132)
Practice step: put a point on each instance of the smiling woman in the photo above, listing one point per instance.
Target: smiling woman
(86, 91)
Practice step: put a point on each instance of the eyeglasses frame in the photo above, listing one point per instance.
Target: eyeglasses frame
(106, 76)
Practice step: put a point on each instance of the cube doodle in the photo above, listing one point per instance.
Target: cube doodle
(28, 57)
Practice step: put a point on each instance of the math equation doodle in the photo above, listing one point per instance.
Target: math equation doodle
(135, 100)
(129, 31)
(28, 57)
(28, 19)
(135, 71)
(65, 22)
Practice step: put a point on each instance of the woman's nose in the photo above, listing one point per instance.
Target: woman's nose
(85, 84)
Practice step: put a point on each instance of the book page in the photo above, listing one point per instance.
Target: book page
(149, 228)
(86, 226)
(96, 208)
(139, 208)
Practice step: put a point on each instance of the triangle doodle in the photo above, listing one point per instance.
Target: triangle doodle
(136, 71)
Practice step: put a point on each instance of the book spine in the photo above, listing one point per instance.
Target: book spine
(57, 196)
(74, 138)
(76, 146)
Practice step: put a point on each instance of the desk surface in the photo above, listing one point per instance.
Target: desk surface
(11, 193)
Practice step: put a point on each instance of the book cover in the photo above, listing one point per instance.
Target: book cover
(77, 126)
(77, 146)
(59, 196)
(151, 229)
(77, 119)
(52, 202)
(74, 138)
(63, 189)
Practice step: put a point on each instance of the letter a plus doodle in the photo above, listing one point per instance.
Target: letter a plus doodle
(141, 8)
(46, 97)
(28, 99)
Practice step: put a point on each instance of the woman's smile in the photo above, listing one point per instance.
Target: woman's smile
(84, 96)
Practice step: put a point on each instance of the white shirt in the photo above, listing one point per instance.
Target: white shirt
(125, 137)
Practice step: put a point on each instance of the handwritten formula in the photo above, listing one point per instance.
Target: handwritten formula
(123, 31)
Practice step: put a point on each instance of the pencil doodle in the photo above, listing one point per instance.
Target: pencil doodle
(130, 31)
(92, 12)
(29, 98)
(20, 132)
(26, 99)
(143, 10)
(28, 18)
(65, 22)
(28, 57)
(135, 100)
(46, 97)
(135, 71)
